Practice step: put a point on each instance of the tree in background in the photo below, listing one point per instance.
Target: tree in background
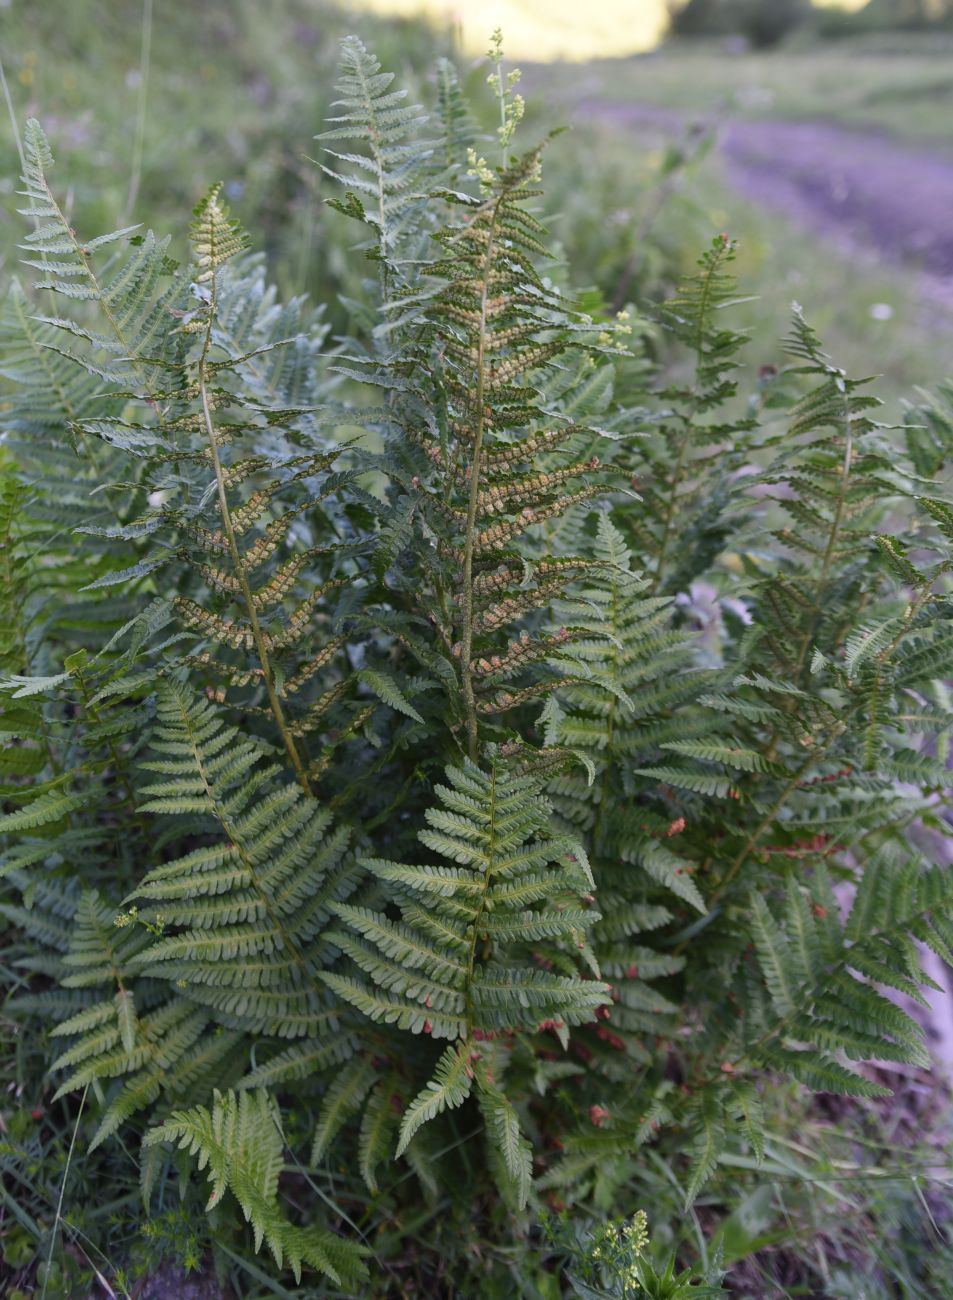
(886, 15)
(762, 22)
(907, 13)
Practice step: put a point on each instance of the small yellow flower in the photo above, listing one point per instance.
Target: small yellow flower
(479, 168)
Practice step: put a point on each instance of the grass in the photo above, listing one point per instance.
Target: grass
(901, 84)
(873, 315)
(236, 91)
(218, 91)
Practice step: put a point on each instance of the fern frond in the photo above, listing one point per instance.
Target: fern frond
(246, 912)
(239, 1141)
(383, 182)
(455, 965)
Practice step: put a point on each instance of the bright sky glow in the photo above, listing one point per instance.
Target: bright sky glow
(550, 29)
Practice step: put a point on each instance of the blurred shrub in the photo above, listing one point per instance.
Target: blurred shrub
(762, 22)
(887, 15)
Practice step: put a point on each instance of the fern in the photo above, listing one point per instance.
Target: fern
(226, 939)
(485, 472)
(254, 905)
(604, 760)
(458, 128)
(383, 183)
(686, 466)
(239, 1141)
(456, 965)
(230, 529)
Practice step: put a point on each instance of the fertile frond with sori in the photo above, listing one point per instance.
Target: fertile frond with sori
(386, 181)
(217, 236)
(239, 1141)
(233, 495)
(469, 948)
(480, 457)
(556, 766)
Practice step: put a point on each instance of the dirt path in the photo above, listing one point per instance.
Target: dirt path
(880, 196)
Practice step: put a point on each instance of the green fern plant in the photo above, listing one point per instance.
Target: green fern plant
(384, 182)
(459, 963)
(760, 781)
(689, 459)
(480, 460)
(231, 523)
(382, 804)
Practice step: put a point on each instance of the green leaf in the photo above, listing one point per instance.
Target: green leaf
(448, 1089)
(386, 689)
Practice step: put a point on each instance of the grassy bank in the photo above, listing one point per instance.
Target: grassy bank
(902, 84)
(150, 101)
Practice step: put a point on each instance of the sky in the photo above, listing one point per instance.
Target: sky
(551, 29)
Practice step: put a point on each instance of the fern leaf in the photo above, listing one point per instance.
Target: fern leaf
(448, 1089)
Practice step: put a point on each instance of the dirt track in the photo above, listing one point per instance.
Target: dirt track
(878, 195)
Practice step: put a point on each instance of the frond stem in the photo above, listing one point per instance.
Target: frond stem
(234, 836)
(466, 639)
(481, 905)
(260, 647)
(831, 543)
(740, 859)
